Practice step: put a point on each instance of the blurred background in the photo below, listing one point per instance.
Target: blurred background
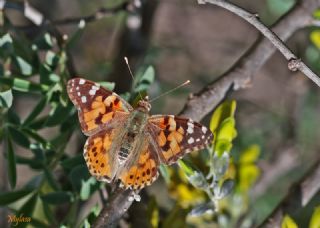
(277, 117)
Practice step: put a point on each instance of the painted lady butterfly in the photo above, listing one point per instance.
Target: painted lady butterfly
(127, 143)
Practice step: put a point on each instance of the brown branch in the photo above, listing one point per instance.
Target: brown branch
(114, 209)
(298, 197)
(239, 75)
(294, 63)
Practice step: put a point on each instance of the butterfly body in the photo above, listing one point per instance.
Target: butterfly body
(128, 144)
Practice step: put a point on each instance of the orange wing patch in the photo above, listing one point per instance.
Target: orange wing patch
(142, 174)
(96, 105)
(97, 155)
(176, 136)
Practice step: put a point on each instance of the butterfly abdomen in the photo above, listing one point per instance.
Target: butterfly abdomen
(134, 127)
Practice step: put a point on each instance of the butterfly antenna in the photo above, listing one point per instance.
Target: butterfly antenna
(127, 62)
(161, 95)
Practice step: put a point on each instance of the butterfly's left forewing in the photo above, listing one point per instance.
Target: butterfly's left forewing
(97, 107)
(175, 136)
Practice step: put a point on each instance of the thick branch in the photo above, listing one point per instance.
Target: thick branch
(298, 197)
(115, 208)
(239, 76)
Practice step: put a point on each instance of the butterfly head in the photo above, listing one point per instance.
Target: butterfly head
(144, 104)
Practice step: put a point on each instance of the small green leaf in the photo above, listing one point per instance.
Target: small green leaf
(23, 85)
(145, 80)
(52, 59)
(108, 85)
(6, 39)
(78, 175)
(88, 187)
(24, 66)
(165, 173)
(76, 36)
(288, 222)
(195, 177)
(315, 219)
(57, 197)
(250, 155)
(12, 172)
(12, 196)
(70, 163)
(58, 115)
(51, 180)
(28, 208)
(225, 110)
(45, 42)
(6, 99)
(19, 137)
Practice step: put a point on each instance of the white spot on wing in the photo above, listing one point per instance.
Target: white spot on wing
(83, 99)
(204, 129)
(197, 140)
(190, 127)
(82, 81)
(77, 88)
(79, 94)
(191, 140)
(92, 92)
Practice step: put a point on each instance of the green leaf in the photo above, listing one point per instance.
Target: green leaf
(58, 115)
(250, 155)
(12, 196)
(52, 59)
(108, 85)
(23, 85)
(70, 163)
(145, 80)
(288, 222)
(77, 35)
(5, 40)
(165, 173)
(12, 171)
(28, 208)
(45, 42)
(88, 187)
(6, 99)
(225, 110)
(315, 218)
(24, 66)
(19, 137)
(51, 180)
(36, 111)
(194, 176)
(57, 197)
(6, 45)
(78, 175)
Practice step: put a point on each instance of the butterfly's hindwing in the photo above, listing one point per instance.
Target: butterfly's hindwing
(96, 106)
(143, 172)
(176, 136)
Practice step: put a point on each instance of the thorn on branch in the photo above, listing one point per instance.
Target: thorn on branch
(294, 64)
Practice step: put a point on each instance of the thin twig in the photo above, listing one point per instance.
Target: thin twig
(240, 74)
(294, 63)
(298, 197)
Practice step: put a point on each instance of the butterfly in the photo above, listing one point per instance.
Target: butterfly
(126, 143)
